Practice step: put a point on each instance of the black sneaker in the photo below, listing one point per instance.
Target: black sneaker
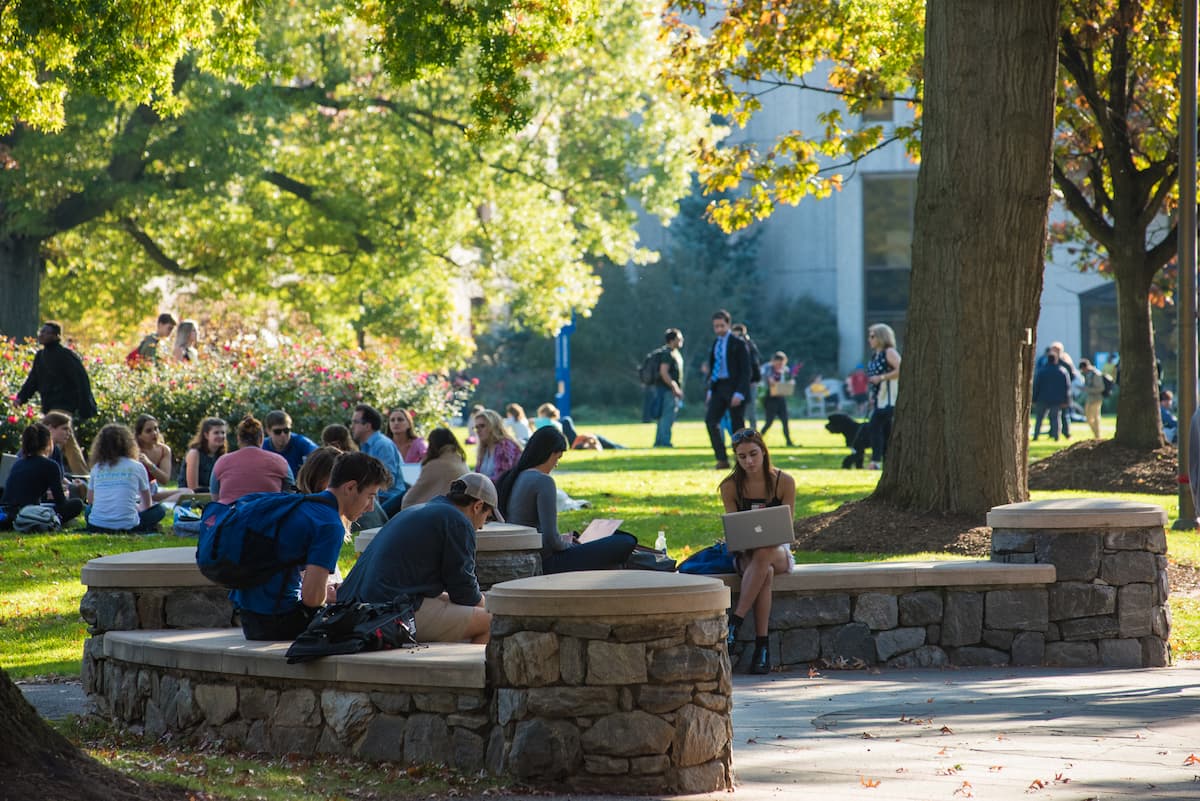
(761, 662)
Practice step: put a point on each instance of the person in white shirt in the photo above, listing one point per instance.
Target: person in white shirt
(118, 493)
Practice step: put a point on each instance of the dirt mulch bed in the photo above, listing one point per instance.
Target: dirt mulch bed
(1101, 465)
(870, 526)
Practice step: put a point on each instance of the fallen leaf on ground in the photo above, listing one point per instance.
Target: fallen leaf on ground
(1192, 759)
(947, 730)
(866, 782)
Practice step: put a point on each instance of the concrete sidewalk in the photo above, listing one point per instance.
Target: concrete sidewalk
(1009, 733)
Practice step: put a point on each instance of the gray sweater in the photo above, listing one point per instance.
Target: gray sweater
(534, 502)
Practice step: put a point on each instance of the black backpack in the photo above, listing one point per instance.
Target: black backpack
(237, 544)
(349, 627)
(648, 372)
(1108, 385)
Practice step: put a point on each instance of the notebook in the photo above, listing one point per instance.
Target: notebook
(758, 528)
(599, 528)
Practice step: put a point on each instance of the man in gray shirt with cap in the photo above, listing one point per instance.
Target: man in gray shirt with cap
(427, 552)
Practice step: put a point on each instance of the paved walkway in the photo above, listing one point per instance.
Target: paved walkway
(1011, 733)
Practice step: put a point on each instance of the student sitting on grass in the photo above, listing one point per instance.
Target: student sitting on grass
(119, 489)
(34, 476)
(206, 447)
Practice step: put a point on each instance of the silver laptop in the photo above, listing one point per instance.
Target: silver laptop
(758, 528)
(7, 461)
(410, 473)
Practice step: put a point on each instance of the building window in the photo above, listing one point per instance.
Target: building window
(879, 111)
(888, 203)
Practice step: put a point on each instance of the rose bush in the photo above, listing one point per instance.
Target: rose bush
(316, 385)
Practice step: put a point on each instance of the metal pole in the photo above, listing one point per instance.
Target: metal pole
(1186, 283)
(562, 367)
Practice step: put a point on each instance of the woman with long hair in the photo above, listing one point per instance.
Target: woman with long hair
(153, 452)
(529, 497)
(206, 447)
(118, 487)
(336, 435)
(34, 476)
(754, 484)
(883, 374)
(403, 433)
(186, 338)
(498, 451)
(444, 461)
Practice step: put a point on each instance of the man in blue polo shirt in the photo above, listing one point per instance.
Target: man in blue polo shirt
(312, 535)
(365, 427)
(294, 448)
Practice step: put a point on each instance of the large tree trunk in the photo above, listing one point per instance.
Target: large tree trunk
(959, 442)
(1139, 424)
(20, 283)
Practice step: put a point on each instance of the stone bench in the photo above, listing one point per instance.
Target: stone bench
(425, 704)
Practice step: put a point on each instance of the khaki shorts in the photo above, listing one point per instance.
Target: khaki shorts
(439, 620)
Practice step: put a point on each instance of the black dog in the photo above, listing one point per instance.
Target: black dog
(858, 437)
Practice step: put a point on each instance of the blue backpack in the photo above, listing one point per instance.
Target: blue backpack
(713, 560)
(238, 544)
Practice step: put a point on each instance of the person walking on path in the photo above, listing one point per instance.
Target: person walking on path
(668, 389)
(883, 374)
(728, 384)
(780, 387)
(61, 381)
(756, 364)
(1051, 391)
(1093, 389)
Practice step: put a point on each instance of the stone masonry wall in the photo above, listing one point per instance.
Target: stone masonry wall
(493, 567)
(413, 726)
(612, 706)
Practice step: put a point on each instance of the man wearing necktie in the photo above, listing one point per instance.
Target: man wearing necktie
(729, 384)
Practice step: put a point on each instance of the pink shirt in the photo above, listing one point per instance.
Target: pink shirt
(246, 470)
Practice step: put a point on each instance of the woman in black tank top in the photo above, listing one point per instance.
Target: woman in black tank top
(754, 484)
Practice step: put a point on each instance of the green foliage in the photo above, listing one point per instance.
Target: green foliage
(316, 385)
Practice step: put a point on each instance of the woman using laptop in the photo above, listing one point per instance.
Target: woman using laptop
(529, 497)
(754, 484)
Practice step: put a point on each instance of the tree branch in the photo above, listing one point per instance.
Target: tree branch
(156, 253)
(1091, 220)
(776, 83)
(1161, 253)
(309, 195)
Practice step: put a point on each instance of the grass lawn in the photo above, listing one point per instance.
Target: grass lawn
(673, 490)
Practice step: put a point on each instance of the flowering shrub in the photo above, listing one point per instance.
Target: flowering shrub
(315, 385)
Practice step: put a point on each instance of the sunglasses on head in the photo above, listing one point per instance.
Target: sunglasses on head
(743, 435)
(278, 431)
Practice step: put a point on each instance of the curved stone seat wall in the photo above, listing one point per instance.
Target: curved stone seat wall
(612, 681)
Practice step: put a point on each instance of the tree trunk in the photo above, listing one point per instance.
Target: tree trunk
(20, 284)
(1139, 424)
(960, 439)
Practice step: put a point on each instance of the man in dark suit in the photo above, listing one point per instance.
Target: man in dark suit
(728, 384)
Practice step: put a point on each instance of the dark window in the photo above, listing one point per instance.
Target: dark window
(879, 111)
(888, 203)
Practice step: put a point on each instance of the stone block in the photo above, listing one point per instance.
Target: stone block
(87, 608)
(714, 702)
(583, 628)
(1081, 599)
(233, 733)
(1015, 558)
(179, 707)
(1121, 653)
(1075, 555)
(150, 609)
(1028, 648)
(154, 724)
(346, 713)
(466, 750)
(572, 664)
(1161, 626)
(649, 765)
(684, 663)
(1019, 610)
(616, 663)
(933, 632)
(544, 749)
(531, 659)
(1136, 610)
(1155, 652)
(1008, 541)
(977, 656)
(962, 621)
(605, 766)
(298, 707)
(218, 702)
(806, 611)
(293, 739)
(1153, 540)
(897, 641)
(256, 737)
(635, 733)
(426, 739)
(920, 608)
(435, 702)
(115, 610)
(255, 703)
(328, 743)
(710, 777)
(876, 609)
(474, 722)
(799, 645)
(1053, 634)
(850, 642)
(1163, 583)
(625, 699)
(493, 567)
(707, 632)
(197, 609)
(567, 702)
(995, 638)
(1089, 628)
(505, 625)
(647, 630)
(659, 698)
(924, 657)
(511, 705)
(91, 675)
(700, 735)
(1128, 567)
(391, 703)
(1071, 654)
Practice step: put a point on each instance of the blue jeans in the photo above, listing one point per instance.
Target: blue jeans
(1054, 412)
(606, 553)
(665, 401)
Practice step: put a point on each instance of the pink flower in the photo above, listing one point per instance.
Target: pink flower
(29, 412)
(13, 419)
(125, 408)
(345, 405)
(474, 382)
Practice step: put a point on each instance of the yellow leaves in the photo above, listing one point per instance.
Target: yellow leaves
(1192, 759)
(868, 782)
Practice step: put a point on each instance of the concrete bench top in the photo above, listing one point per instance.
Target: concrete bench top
(1073, 513)
(904, 575)
(459, 665)
(154, 567)
(605, 593)
(492, 537)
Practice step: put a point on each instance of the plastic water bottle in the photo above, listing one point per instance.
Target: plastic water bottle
(660, 544)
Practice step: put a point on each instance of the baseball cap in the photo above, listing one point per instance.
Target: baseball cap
(480, 487)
